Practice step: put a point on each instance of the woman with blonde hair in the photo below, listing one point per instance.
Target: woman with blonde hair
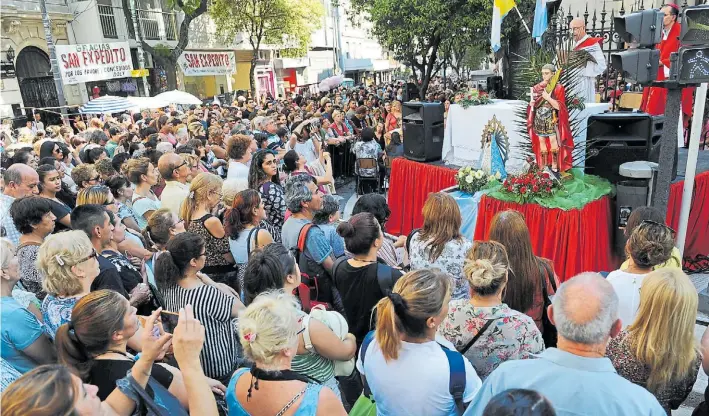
(650, 244)
(9, 269)
(439, 243)
(69, 263)
(144, 176)
(269, 330)
(483, 328)
(404, 342)
(393, 118)
(658, 350)
(205, 194)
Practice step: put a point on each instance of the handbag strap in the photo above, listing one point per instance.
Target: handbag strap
(546, 274)
(456, 378)
(408, 240)
(248, 240)
(363, 352)
(478, 335)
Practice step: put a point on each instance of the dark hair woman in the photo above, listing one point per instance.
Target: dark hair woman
(272, 267)
(50, 185)
(362, 281)
(650, 214)
(294, 163)
(527, 271)
(376, 205)
(242, 226)
(263, 177)
(519, 402)
(51, 149)
(177, 273)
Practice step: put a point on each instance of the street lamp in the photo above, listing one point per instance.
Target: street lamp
(10, 54)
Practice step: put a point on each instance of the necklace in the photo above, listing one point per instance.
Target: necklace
(363, 261)
(276, 375)
(123, 353)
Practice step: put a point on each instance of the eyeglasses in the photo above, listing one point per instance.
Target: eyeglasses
(180, 221)
(184, 162)
(670, 229)
(105, 204)
(95, 179)
(93, 254)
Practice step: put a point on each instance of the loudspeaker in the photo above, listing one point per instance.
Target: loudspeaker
(616, 138)
(423, 131)
(410, 92)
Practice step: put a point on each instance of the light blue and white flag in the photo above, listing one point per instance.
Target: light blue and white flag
(540, 20)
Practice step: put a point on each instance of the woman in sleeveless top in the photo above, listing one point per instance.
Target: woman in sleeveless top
(268, 330)
(196, 211)
(241, 225)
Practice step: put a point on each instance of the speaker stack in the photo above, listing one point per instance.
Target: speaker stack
(423, 130)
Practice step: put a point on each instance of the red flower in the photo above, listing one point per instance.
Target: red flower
(523, 189)
(535, 188)
(548, 189)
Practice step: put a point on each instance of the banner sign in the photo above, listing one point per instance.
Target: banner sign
(197, 64)
(94, 62)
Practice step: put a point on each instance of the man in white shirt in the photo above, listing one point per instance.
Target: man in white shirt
(586, 85)
(20, 181)
(175, 170)
(239, 150)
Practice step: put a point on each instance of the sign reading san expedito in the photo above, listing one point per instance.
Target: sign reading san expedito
(195, 63)
(94, 62)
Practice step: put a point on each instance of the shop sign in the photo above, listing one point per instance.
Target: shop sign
(137, 73)
(196, 64)
(94, 62)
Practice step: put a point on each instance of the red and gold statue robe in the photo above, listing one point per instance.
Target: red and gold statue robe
(563, 129)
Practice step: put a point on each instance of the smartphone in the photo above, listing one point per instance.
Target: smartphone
(169, 321)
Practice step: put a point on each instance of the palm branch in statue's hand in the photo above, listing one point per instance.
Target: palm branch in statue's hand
(581, 58)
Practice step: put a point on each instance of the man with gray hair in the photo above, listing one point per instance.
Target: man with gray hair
(20, 181)
(576, 376)
(304, 199)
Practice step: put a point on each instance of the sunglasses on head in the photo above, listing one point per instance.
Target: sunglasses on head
(670, 229)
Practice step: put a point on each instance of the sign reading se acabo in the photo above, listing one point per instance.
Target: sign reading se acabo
(94, 61)
(194, 63)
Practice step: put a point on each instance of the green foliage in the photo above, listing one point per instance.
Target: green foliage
(163, 50)
(188, 6)
(286, 23)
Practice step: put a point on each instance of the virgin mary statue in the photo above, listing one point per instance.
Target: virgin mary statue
(496, 149)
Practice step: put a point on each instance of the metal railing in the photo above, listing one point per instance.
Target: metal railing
(155, 25)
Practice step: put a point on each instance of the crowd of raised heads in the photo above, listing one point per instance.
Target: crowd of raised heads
(195, 261)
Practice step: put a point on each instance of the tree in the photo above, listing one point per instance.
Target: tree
(162, 54)
(286, 23)
(415, 30)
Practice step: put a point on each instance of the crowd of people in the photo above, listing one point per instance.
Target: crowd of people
(194, 262)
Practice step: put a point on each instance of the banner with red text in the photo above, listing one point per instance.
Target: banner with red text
(197, 63)
(94, 61)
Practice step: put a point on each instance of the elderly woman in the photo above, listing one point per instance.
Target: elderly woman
(483, 328)
(33, 218)
(85, 175)
(69, 264)
(269, 330)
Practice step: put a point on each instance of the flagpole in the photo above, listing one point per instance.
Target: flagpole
(523, 22)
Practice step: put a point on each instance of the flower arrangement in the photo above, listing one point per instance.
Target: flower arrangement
(471, 180)
(472, 98)
(575, 103)
(535, 183)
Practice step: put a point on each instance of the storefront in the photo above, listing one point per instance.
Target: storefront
(207, 73)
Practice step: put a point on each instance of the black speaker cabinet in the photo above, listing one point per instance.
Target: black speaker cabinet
(616, 138)
(411, 92)
(423, 131)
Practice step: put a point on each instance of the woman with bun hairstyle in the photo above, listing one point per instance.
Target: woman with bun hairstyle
(269, 330)
(406, 366)
(484, 328)
(650, 244)
(362, 281)
(162, 226)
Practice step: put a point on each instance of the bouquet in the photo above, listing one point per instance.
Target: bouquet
(535, 183)
(471, 180)
(576, 103)
(471, 98)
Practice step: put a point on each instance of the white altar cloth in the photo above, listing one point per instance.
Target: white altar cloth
(461, 141)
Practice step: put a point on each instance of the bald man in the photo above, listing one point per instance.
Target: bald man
(20, 181)
(586, 84)
(175, 170)
(576, 376)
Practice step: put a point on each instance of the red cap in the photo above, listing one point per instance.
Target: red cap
(674, 6)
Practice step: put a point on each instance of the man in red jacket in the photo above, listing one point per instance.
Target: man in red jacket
(655, 98)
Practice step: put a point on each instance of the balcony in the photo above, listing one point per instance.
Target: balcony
(155, 25)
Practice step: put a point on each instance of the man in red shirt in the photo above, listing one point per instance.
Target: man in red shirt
(655, 98)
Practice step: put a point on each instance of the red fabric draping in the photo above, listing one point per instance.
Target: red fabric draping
(697, 241)
(409, 185)
(576, 241)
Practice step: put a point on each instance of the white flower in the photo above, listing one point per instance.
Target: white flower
(479, 174)
(498, 175)
(469, 179)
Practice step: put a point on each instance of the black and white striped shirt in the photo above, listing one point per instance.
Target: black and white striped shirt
(212, 308)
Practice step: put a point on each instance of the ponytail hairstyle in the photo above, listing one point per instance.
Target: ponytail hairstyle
(267, 270)
(45, 390)
(417, 296)
(486, 267)
(200, 188)
(157, 232)
(171, 265)
(241, 212)
(94, 320)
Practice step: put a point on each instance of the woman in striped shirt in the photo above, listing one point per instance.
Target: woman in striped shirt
(215, 306)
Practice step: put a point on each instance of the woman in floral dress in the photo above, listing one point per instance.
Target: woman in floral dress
(484, 329)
